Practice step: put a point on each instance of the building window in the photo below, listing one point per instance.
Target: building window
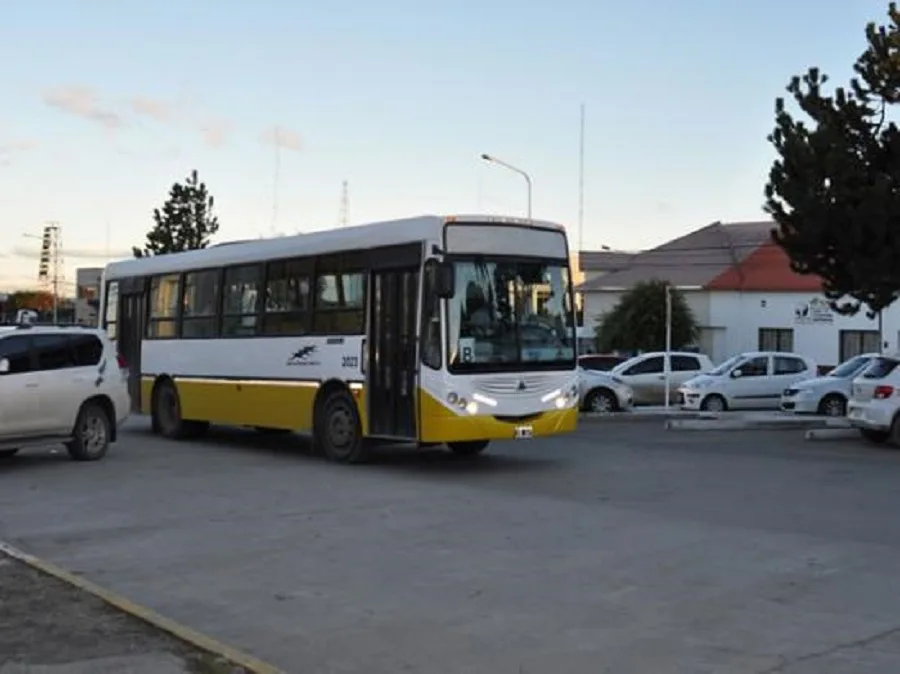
(776, 339)
(163, 307)
(854, 342)
(201, 297)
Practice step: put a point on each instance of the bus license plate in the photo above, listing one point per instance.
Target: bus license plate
(523, 432)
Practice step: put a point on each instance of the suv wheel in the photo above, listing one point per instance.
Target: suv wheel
(90, 440)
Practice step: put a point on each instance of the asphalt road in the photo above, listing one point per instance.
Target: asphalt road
(622, 549)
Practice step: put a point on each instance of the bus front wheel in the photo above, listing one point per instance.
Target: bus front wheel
(470, 448)
(338, 431)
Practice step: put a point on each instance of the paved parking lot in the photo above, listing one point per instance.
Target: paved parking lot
(621, 549)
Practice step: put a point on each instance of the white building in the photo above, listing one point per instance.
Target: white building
(745, 296)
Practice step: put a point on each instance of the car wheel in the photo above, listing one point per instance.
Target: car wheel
(833, 405)
(713, 403)
(470, 448)
(338, 431)
(92, 433)
(601, 401)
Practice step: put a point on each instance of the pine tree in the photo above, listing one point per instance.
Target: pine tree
(834, 190)
(186, 221)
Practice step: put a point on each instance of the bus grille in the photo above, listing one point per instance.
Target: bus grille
(510, 384)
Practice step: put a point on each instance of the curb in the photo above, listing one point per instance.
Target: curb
(831, 434)
(146, 615)
(786, 424)
(588, 417)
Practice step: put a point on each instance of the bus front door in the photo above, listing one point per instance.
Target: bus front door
(132, 318)
(391, 386)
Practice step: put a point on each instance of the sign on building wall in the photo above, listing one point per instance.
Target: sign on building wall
(815, 310)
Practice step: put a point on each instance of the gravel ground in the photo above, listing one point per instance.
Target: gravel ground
(48, 627)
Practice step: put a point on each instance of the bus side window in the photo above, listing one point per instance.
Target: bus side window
(431, 317)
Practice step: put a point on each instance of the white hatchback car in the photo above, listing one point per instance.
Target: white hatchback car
(602, 392)
(753, 380)
(61, 384)
(874, 406)
(826, 395)
(646, 374)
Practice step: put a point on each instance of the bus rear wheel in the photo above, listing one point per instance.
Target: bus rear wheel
(338, 431)
(166, 415)
(470, 448)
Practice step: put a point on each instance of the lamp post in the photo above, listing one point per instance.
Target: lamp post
(667, 362)
(514, 169)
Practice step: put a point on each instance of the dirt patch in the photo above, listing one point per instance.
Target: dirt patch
(47, 626)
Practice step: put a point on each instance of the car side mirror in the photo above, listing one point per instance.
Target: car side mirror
(445, 284)
(737, 374)
(4, 365)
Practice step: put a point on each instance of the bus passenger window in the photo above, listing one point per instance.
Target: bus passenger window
(241, 300)
(201, 293)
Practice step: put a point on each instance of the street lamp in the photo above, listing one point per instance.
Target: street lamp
(500, 162)
(667, 364)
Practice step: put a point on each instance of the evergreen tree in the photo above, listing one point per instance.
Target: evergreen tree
(834, 190)
(186, 221)
(638, 321)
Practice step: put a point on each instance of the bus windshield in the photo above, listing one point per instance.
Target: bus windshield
(509, 315)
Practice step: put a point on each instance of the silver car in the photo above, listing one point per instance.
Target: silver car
(602, 392)
(826, 395)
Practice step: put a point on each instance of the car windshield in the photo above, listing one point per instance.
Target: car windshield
(850, 367)
(726, 366)
(510, 315)
(880, 367)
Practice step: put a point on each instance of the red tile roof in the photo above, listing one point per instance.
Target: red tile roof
(767, 269)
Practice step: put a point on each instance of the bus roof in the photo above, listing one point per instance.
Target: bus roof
(370, 235)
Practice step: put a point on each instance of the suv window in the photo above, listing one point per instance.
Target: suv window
(755, 367)
(88, 349)
(880, 368)
(53, 351)
(17, 351)
(788, 365)
(651, 365)
(685, 363)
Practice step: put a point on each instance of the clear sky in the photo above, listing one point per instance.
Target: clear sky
(104, 104)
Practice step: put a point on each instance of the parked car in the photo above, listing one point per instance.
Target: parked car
(875, 400)
(600, 362)
(61, 385)
(826, 395)
(646, 375)
(753, 380)
(602, 392)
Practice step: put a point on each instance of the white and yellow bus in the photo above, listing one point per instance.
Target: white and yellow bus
(454, 330)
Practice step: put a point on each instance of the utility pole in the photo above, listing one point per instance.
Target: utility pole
(581, 184)
(345, 204)
(50, 267)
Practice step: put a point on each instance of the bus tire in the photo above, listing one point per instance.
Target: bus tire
(470, 448)
(166, 414)
(338, 431)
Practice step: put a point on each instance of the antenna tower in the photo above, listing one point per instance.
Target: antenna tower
(345, 204)
(50, 262)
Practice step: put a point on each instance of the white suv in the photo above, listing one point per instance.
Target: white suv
(61, 385)
(875, 400)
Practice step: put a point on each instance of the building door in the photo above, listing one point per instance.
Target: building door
(393, 368)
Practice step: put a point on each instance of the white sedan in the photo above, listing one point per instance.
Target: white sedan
(826, 395)
(603, 392)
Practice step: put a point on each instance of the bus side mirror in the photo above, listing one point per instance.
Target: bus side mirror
(445, 284)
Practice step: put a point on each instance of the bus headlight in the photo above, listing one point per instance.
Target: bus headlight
(472, 408)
